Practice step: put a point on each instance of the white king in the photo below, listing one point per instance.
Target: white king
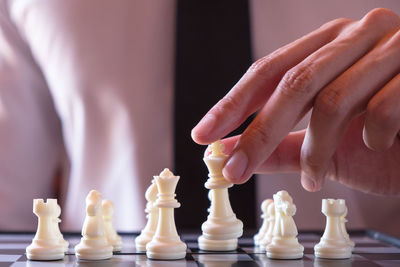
(222, 229)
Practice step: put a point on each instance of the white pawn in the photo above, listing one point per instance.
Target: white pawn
(152, 218)
(46, 244)
(333, 244)
(94, 244)
(222, 229)
(284, 244)
(56, 221)
(264, 227)
(107, 208)
(266, 240)
(166, 244)
(343, 221)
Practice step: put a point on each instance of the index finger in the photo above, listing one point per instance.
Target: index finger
(296, 91)
(257, 84)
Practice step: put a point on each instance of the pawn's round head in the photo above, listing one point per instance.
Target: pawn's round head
(107, 208)
(93, 196)
(265, 204)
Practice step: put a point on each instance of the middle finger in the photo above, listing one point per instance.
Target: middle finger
(296, 91)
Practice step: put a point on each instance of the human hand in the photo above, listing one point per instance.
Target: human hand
(347, 72)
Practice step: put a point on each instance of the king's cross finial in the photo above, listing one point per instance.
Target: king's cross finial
(217, 149)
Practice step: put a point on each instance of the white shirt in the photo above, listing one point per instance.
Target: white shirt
(101, 69)
(92, 82)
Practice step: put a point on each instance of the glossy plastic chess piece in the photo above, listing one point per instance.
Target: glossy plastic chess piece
(222, 229)
(264, 227)
(46, 244)
(113, 238)
(56, 221)
(94, 244)
(166, 244)
(266, 240)
(343, 221)
(152, 218)
(333, 243)
(284, 244)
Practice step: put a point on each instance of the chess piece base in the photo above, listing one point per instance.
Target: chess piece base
(285, 249)
(93, 250)
(142, 240)
(222, 229)
(116, 243)
(217, 245)
(159, 249)
(332, 251)
(43, 253)
(65, 245)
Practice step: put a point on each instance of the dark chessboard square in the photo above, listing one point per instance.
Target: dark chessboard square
(381, 256)
(166, 263)
(231, 258)
(389, 263)
(12, 251)
(199, 251)
(188, 238)
(358, 245)
(375, 250)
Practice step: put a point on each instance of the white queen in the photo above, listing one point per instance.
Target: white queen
(166, 244)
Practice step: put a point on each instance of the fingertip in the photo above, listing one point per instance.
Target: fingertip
(377, 144)
(310, 184)
(201, 132)
(236, 167)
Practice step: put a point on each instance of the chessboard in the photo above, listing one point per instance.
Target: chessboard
(372, 249)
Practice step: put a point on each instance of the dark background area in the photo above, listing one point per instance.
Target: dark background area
(213, 51)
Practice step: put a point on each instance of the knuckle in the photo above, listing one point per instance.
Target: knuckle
(262, 66)
(337, 23)
(380, 114)
(381, 16)
(259, 133)
(297, 82)
(330, 103)
(228, 104)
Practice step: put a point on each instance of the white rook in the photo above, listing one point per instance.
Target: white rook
(333, 244)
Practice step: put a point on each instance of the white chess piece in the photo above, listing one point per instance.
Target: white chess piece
(222, 229)
(266, 240)
(333, 244)
(107, 208)
(284, 244)
(56, 221)
(264, 227)
(166, 244)
(343, 221)
(152, 218)
(94, 244)
(46, 244)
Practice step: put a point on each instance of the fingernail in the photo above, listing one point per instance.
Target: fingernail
(205, 126)
(236, 166)
(307, 182)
